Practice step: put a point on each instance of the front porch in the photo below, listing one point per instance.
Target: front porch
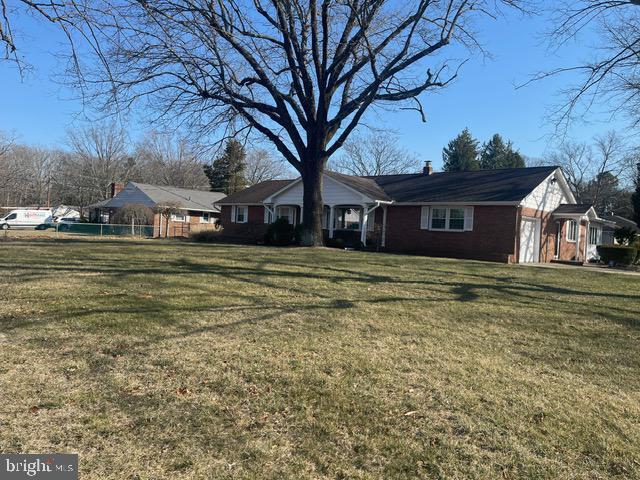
(353, 224)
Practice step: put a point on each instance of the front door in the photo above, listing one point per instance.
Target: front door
(529, 240)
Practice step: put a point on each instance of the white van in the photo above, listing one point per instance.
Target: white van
(25, 219)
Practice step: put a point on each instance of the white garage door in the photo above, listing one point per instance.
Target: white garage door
(529, 241)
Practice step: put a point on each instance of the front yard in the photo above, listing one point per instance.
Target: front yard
(158, 360)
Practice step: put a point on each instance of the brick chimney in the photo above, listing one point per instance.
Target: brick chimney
(116, 188)
(428, 168)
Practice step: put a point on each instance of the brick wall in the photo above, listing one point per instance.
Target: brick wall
(251, 232)
(493, 236)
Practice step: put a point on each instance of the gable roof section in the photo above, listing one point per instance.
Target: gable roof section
(158, 195)
(503, 185)
(577, 208)
(255, 194)
(364, 185)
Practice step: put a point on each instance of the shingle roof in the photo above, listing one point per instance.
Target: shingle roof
(504, 185)
(576, 208)
(622, 222)
(365, 185)
(158, 195)
(255, 193)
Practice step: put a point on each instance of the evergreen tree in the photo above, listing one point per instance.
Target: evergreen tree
(226, 173)
(500, 154)
(461, 153)
(635, 198)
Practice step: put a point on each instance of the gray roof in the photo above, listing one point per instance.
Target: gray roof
(573, 208)
(503, 185)
(255, 193)
(157, 195)
(622, 222)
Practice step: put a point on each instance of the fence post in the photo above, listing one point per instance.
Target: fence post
(101, 229)
(133, 227)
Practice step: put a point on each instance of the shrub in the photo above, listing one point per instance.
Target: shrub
(206, 236)
(618, 254)
(280, 233)
(336, 243)
(625, 236)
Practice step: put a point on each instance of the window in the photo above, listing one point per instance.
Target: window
(456, 219)
(267, 215)
(595, 236)
(178, 217)
(206, 217)
(241, 214)
(288, 213)
(13, 216)
(572, 230)
(438, 218)
(326, 214)
(347, 218)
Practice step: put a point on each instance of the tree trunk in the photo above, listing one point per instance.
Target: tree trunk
(312, 203)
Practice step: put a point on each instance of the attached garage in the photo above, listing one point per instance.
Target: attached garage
(529, 240)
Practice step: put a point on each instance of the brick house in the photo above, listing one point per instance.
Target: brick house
(511, 215)
(192, 210)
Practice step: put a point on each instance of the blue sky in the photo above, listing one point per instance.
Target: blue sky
(38, 109)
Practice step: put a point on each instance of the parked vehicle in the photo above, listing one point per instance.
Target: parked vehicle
(25, 219)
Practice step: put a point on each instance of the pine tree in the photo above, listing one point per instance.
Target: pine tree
(461, 153)
(635, 198)
(226, 173)
(497, 153)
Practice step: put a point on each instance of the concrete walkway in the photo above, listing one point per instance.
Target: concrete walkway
(587, 267)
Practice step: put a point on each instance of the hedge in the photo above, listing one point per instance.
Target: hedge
(618, 254)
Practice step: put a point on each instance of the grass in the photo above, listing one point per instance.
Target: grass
(174, 360)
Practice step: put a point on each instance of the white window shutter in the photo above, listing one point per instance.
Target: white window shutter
(424, 218)
(468, 218)
(233, 213)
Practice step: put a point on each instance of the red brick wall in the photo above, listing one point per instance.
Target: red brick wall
(567, 248)
(251, 232)
(492, 238)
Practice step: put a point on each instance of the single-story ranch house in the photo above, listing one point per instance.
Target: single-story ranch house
(194, 209)
(509, 215)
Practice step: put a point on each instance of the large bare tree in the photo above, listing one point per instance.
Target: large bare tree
(260, 165)
(302, 73)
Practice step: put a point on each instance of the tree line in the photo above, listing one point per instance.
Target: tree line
(98, 155)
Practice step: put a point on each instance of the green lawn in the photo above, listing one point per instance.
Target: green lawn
(157, 360)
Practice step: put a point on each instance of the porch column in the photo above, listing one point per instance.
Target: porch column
(586, 241)
(363, 225)
(331, 220)
(384, 226)
(579, 222)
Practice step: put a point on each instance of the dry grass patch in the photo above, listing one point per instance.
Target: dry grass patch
(160, 359)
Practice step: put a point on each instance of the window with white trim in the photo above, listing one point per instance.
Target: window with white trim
(453, 219)
(572, 231)
(438, 218)
(241, 214)
(178, 217)
(267, 215)
(595, 236)
(287, 212)
(206, 217)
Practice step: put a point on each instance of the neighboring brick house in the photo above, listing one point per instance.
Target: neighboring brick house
(509, 215)
(194, 209)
